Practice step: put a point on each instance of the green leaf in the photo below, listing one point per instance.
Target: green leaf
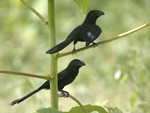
(95, 112)
(104, 102)
(83, 4)
(47, 110)
(114, 110)
(133, 99)
(89, 108)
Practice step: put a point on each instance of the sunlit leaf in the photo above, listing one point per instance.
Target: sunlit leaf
(95, 112)
(89, 108)
(133, 99)
(83, 4)
(115, 110)
(124, 78)
(104, 102)
(47, 110)
(117, 75)
(139, 3)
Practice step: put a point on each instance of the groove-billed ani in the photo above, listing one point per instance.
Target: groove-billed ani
(65, 77)
(87, 32)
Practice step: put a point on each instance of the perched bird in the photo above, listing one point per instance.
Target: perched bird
(87, 32)
(65, 77)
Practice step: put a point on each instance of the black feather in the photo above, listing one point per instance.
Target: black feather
(87, 32)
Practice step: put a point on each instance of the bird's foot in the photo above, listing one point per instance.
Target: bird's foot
(74, 51)
(64, 94)
(94, 44)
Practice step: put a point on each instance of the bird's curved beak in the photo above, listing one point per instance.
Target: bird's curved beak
(101, 12)
(82, 63)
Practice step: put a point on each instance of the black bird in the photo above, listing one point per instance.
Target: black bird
(65, 77)
(87, 32)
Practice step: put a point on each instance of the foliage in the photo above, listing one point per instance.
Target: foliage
(24, 40)
(89, 108)
(48, 110)
(114, 110)
(82, 4)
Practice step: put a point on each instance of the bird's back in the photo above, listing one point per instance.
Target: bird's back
(89, 33)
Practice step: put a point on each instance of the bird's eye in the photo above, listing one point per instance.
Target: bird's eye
(77, 62)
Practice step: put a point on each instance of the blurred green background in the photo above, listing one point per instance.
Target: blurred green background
(117, 71)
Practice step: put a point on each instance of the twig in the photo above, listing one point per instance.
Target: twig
(106, 41)
(76, 100)
(24, 74)
(78, 103)
(34, 11)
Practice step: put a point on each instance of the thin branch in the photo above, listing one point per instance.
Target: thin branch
(24, 74)
(34, 11)
(106, 41)
(78, 103)
(76, 100)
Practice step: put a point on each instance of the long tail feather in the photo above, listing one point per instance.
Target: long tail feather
(25, 97)
(60, 46)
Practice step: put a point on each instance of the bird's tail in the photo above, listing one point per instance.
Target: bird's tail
(25, 97)
(60, 46)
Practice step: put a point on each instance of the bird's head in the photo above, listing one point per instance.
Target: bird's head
(76, 63)
(96, 13)
(92, 16)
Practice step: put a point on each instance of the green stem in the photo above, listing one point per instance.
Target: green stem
(34, 11)
(78, 103)
(76, 100)
(53, 59)
(24, 74)
(106, 41)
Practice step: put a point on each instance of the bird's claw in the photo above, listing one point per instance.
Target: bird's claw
(94, 44)
(74, 51)
(64, 94)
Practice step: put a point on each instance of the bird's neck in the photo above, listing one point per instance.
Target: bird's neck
(74, 69)
(90, 20)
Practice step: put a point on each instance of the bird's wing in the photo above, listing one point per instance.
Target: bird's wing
(74, 33)
(89, 33)
(63, 74)
(72, 36)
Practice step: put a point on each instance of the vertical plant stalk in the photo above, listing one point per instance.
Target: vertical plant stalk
(53, 59)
